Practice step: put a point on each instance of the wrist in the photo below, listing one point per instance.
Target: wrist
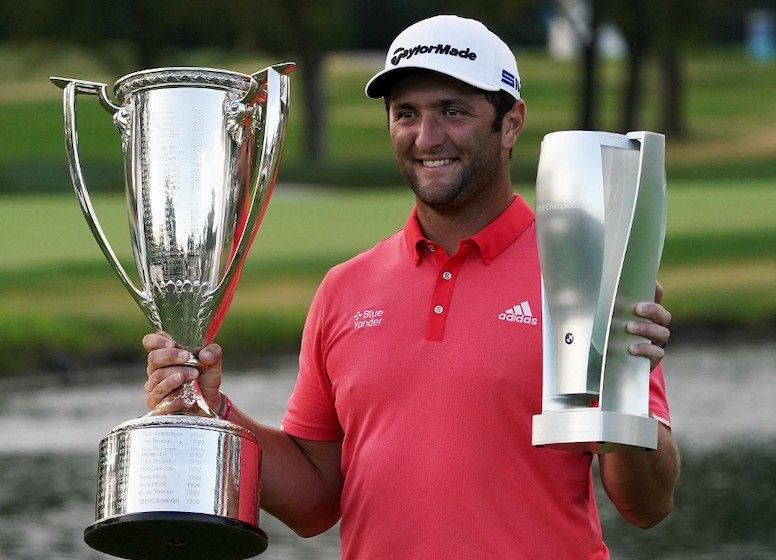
(225, 410)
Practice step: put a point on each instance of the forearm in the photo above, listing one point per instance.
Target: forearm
(301, 480)
(300, 485)
(641, 483)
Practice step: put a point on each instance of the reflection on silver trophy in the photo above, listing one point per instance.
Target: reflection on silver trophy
(201, 154)
(600, 225)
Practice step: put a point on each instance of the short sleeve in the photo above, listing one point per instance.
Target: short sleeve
(658, 401)
(311, 412)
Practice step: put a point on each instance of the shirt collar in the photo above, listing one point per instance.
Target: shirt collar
(491, 240)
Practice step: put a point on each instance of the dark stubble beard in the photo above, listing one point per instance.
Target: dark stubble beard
(473, 182)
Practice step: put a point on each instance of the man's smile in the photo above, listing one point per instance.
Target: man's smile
(436, 162)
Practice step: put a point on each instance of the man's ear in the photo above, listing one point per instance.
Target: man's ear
(512, 125)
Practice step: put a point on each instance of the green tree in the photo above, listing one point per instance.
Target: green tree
(672, 20)
(307, 30)
(662, 29)
(150, 34)
(630, 18)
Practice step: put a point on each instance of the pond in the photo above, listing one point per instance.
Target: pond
(724, 418)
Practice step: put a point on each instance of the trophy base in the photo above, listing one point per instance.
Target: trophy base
(175, 535)
(175, 487)
(592, 430)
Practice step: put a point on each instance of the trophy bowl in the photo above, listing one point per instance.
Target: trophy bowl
(201, 153)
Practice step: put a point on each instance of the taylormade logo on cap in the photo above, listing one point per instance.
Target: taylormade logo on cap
(449, 50)
(458, 47)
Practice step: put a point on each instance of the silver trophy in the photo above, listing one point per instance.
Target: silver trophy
(201, 154)
(600, 226)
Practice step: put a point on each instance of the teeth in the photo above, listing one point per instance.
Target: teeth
(436, 162)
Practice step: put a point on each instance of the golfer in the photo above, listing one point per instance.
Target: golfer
(411, 416)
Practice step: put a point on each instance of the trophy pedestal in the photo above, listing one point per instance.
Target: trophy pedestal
(176, 535)
(178, 486)
(593, 430)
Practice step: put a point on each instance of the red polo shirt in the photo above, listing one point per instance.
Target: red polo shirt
(417, 361)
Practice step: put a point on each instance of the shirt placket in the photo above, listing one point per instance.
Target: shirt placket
(448, 271)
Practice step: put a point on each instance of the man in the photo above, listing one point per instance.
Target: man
(411, 415)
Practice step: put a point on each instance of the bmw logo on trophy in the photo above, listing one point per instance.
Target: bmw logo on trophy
(201, 153)
(600, 225)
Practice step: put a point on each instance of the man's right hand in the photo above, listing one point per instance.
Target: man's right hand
(301, 480)
(167, 370)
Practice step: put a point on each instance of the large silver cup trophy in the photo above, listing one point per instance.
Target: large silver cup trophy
(600, 226)
(201, 154)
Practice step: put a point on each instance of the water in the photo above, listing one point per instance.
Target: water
(723, 415)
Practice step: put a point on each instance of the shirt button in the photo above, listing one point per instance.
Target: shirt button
(447, 275)
(432, 248)
(439, 309)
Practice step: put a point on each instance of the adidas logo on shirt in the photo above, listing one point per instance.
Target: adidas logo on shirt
(520, 313)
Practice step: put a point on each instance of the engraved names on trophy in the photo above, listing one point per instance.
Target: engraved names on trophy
(171, 470)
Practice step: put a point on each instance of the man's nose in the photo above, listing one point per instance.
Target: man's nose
(430, 134)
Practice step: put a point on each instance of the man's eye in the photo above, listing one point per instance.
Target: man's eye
(452, 112)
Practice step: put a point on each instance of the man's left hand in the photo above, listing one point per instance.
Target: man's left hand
(655, 329)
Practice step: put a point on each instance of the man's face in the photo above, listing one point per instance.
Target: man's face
(443, 140)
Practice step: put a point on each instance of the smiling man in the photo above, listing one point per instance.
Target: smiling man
(443, 136)
(411, 415)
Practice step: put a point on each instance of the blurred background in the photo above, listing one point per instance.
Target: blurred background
(701, 72)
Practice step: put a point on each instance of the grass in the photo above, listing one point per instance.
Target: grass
(62, 303)
(719, 263)
(63, 300)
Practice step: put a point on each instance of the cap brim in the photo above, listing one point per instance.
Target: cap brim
(381, 83)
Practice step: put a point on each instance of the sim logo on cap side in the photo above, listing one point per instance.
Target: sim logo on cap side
(509, 79)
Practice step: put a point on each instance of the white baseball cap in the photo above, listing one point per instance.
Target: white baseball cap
(459, 47)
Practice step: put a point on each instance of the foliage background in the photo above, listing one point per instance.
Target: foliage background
(63, 308)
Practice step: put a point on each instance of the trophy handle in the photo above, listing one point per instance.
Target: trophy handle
(71, 89)
(259, 78)
(269, 90)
